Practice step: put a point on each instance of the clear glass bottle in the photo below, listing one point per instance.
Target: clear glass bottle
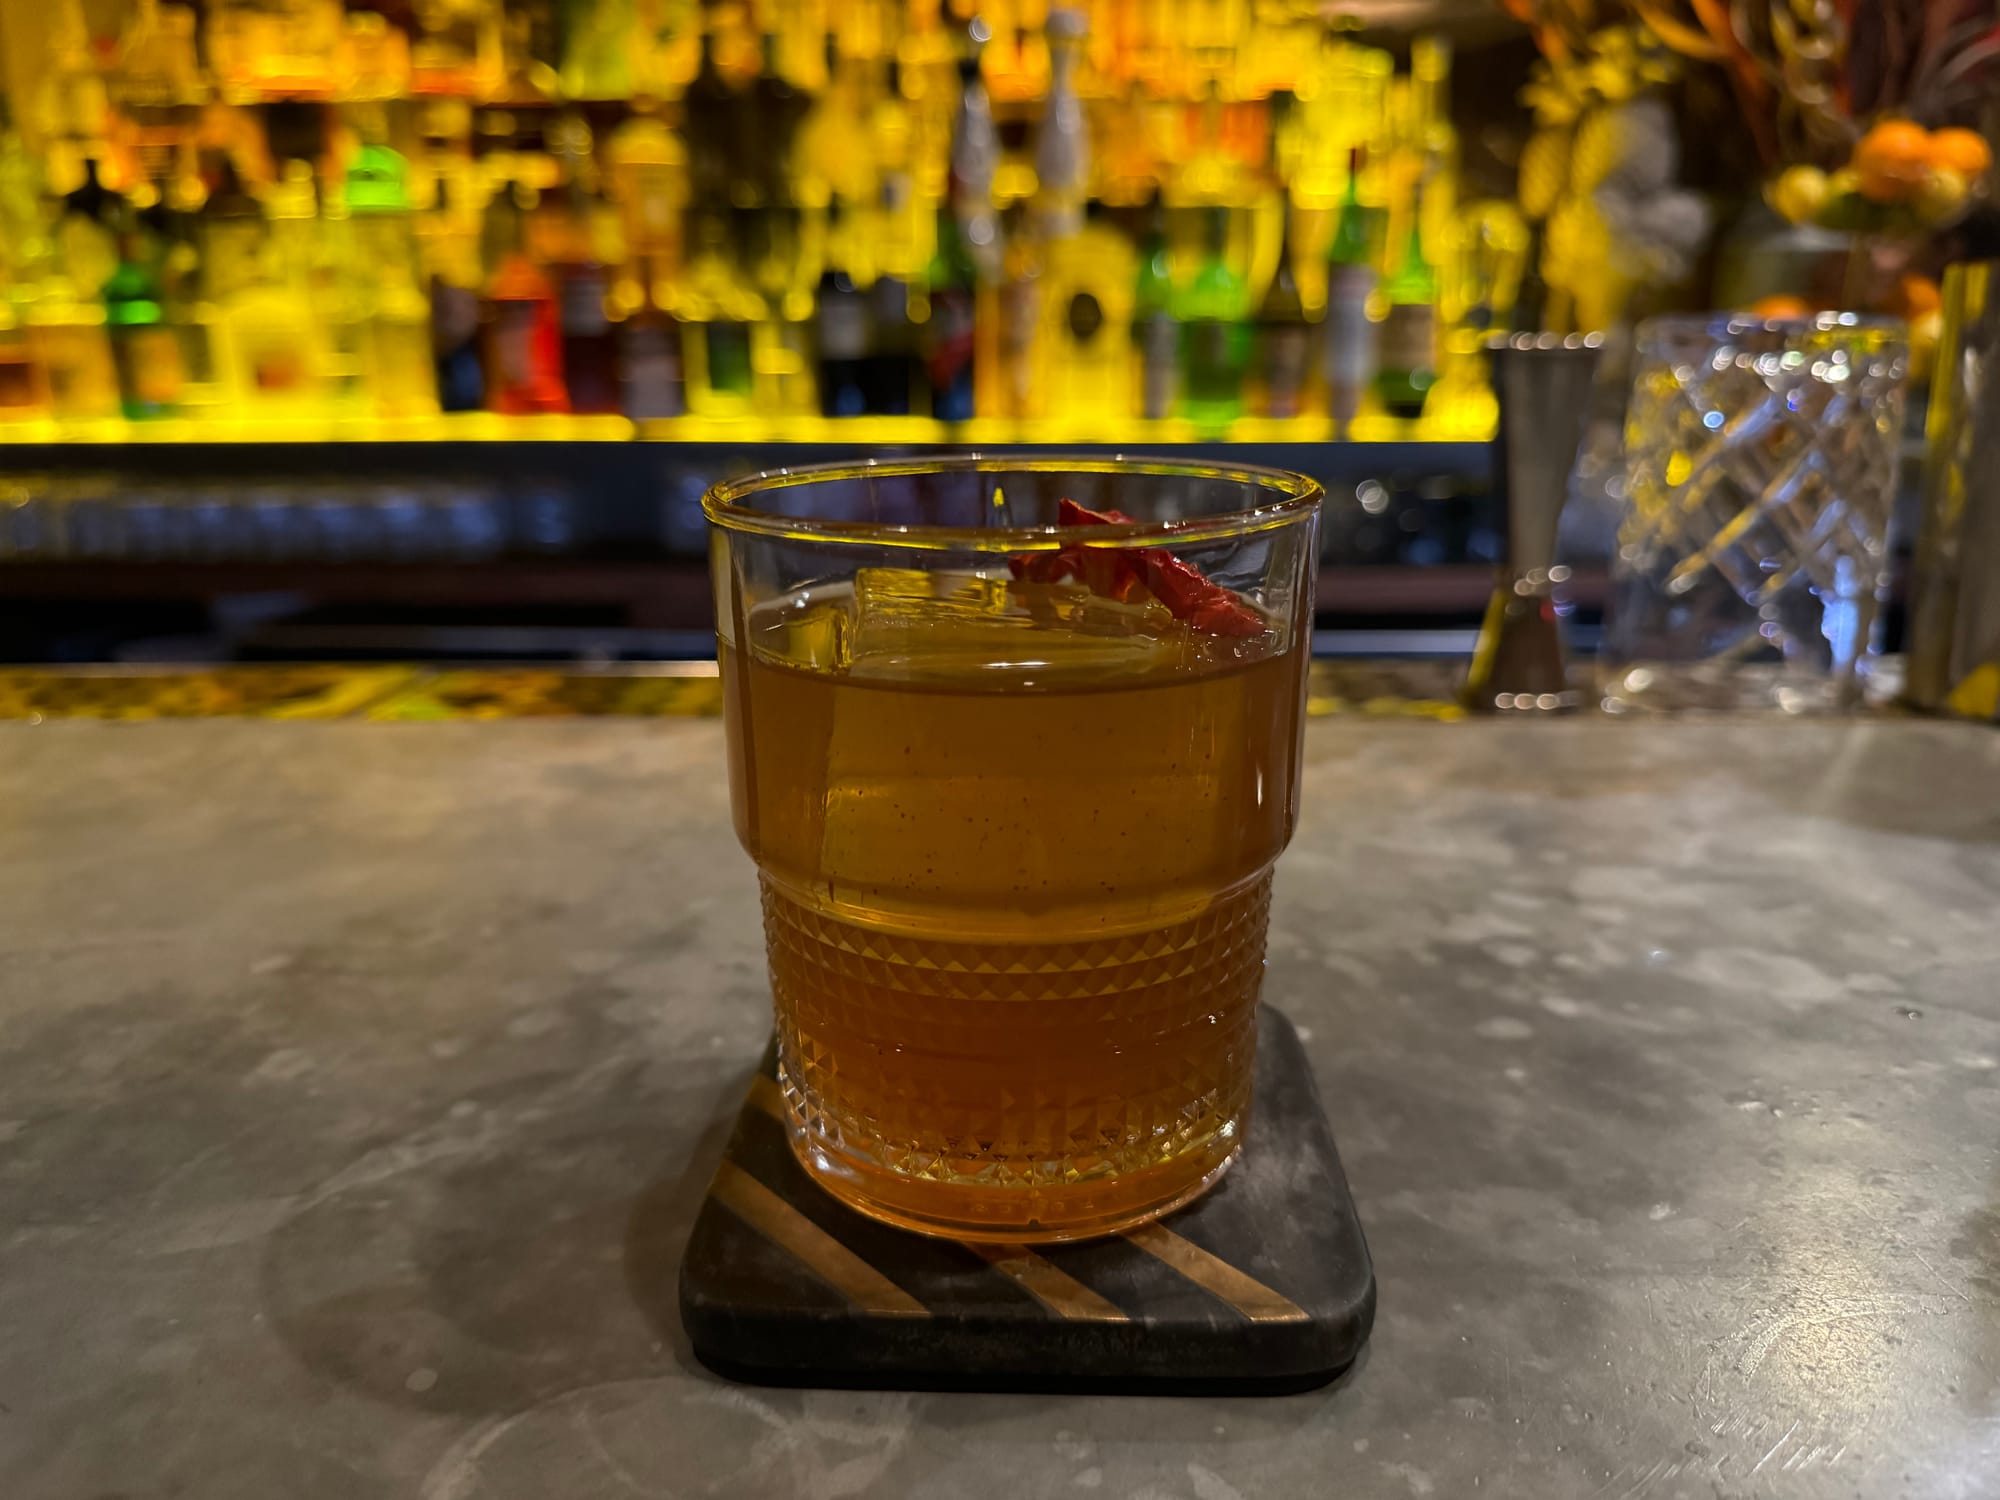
(1284, 338)
(1155, 333)
(647, 167)
(256, 269)
(1350, 288)
(400, 373)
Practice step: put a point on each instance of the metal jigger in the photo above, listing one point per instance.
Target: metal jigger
(1543, 384)
(1954, 648)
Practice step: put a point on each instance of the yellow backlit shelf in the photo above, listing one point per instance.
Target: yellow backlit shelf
(483, 427)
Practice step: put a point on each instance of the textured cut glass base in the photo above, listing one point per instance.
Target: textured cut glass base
(1017, 1091)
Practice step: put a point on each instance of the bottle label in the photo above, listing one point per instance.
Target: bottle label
(843, 326)
(729, 357)
(514, 344)
(948, 336)
(1284, 359)
(581, 305)
(149, 363)
(1409, 337)
(1211, 347)
(277, 367)
(1086, 316)
(1159, 351)
(650, 368)
(1020, 310)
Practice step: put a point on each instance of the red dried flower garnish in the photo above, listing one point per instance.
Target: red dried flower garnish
(1119, 573)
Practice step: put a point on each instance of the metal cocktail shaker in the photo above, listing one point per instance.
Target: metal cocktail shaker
(1543, 382)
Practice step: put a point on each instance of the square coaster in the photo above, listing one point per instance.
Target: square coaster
(1261, 1285)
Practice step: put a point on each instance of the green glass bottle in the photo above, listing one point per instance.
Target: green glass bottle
(1408, 367)
(144, 347)
(948, 332)
(1215, 339)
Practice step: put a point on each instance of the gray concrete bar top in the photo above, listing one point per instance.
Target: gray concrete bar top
(358, 1084)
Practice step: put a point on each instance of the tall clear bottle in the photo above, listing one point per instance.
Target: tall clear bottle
(1156, 334)
(257, 266)
(399, 371)
(1350, 288)
(1284, 338)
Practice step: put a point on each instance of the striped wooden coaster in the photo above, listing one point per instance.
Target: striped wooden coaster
(1262, 1285)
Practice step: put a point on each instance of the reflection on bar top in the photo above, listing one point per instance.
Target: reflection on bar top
(1416, 688)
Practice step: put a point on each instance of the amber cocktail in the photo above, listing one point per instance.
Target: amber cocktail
(1015, 746)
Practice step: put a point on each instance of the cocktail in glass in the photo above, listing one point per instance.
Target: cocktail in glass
(1015, 745)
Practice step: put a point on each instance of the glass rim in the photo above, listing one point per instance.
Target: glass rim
(1301, 496)
(1714, 324)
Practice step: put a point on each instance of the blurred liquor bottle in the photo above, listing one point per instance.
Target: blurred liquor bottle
(374, 60)
(87, 228)
(950, 284)
(647, 168)
(1350, 289)
(1284, 338)
(24, 254)
(256, 273)
(386, 285)
(1156, 334)
(1408, 336)
(784, 250)
(605, 55)
(171, 217)
(649, 350)
(894, 374)
(456, 48)
(1433, 142)
(143, 347)
(1214, 338)
(1090, 281)
(718, 310)
(522, 332)
(842, 325)
(580, 246)
(274, 49)
(448, 240)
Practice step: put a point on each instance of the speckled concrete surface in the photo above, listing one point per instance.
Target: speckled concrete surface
(358, 1084)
